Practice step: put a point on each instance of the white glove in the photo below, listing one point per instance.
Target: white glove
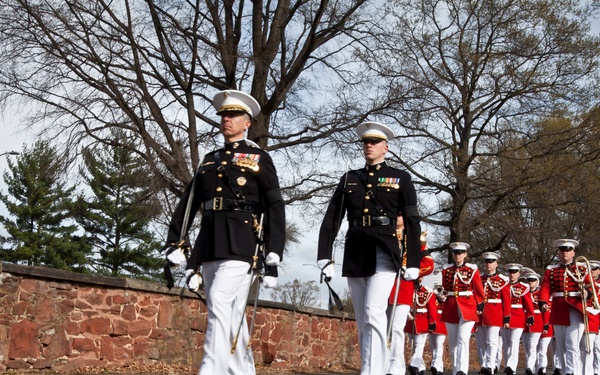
(328, 271)
(272, 259)
(269, 281)
(194, 280)
(176, 256)
(411, 274)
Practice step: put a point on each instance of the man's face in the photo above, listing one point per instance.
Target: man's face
(374, 150)
(566, 254)
(595, 272)
(490, 266)
(513, 275)
(533, 282)
(459, 256)
(234, 124)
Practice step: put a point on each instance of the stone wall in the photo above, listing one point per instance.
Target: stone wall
(59, 320)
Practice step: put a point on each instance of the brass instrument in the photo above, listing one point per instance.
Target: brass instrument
(582, 290)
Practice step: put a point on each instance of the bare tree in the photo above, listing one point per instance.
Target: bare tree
(469, 76)
(297, 293)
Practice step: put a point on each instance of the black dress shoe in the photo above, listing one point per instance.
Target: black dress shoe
(460, 373)
(412, 370)
(433, 370)
(509, 371)
(486, 371)
(557, 371)
(528, 372)
(481, 370)
(496, 370)
(541, 372)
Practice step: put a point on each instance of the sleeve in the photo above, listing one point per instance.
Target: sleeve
(528, 304)
(478, 292)
(332, 221)
(412, 222)
(505, 296)
(432, 309)
(273, 205)
(544, 296)
(176, 225)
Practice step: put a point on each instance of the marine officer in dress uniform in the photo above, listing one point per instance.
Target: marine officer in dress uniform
(521, 314)
(595, 265)
(373, 198)
(562, 284)
(403, 300)
(233, 187)
(496, 311)
(465, 297)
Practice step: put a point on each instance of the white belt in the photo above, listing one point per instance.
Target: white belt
(421, 310)
(516, 306)
(569, 294)
(465, 293)
(494, 300)
(537, 312)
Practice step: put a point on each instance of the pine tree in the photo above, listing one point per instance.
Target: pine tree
(39, 232)
(117, 214)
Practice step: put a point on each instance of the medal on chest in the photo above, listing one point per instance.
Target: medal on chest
(245, 160)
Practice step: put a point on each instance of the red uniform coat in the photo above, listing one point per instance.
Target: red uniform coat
(465, 292)
(593, 319)
(540, 318)
(521, 305)
(407, 288)
(496, 305)
(562, 285)
(424, 311)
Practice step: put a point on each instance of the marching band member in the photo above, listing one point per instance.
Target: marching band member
(521, 314)
(465, 297)
(404, 300)
(596, 347)
(587, 358)
(438, 336)
(373, 197)
(532, 334)
(496, 311)
(562, 283)
(424, 313)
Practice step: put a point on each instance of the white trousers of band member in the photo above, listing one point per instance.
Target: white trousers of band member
(459, 335)
(480, 344)
(541, 361)
(436, 343)
(226, 283)
(370, 300)
(396, 364)
(511, 337)
(491, 337)
(530, 348)
(418, 346)
(596, 363)
(568, 339)
(587, 359)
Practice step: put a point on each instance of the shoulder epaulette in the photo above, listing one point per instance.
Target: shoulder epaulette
(448, 265)
(552, 266)
(504, 277)
(471, 265)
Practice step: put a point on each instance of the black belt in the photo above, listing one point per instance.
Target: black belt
(371, 221)
(220, 203)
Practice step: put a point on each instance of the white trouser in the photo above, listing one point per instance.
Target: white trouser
(542, 355)
(499, 351)
(530, 348)
(396, 364)
(587, 359)
(370, 300)
(418, 345)
(480, 344)
(596, 363)
(567, 343)
(226, 283)
(557, 354)
(510, 339)
(436, 343)
(458, 343)
(491, 337)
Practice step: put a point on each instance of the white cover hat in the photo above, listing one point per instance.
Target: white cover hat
(491, 255)
(234, 100)
(374, 130)
(565, 242)
(513, 266)
(460, 246)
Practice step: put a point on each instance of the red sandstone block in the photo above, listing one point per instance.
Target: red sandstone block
(72, 364)
(65, 307)
(165, 314)
(72, 328)
(17, 364)
(107, 348)
(83, 345)
(129, 312)
(118, 299)
(120, 327)
(96, 326)
(19, 308)
(279, 365)
(145, 350)
(58, 346)
(82, 305)
(149, 311)
(34, 286)
(96, 298)
(140, 328)
(43, 363)
(24, 340)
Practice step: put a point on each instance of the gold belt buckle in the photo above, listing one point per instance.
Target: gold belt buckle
(366, 220)
(456, 293)
(217, 203)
